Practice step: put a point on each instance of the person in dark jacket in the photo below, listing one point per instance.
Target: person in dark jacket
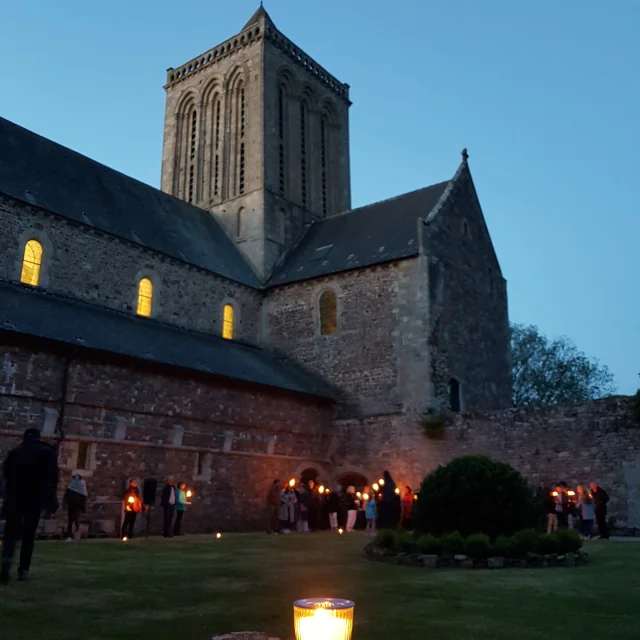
(600, 499)
(168, 502)
(390, 505)
(132, 507)
(333, 507)
(75, 500)
(31, 479)
(315, 507)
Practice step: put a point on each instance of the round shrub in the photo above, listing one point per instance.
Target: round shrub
(475, 494)
(429, 545)
(524, 542)
(385, 538)
(452, 543)
(546, 544)
(566, 541)
(405, 542)
(502, 547)
(478, 546)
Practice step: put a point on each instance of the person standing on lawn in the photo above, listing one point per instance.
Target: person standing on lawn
(587, 513)
(407, 509)
(75, 500)
(601, 499)
(31, 480)
(273, 507)
(315, 507)
(333, 506)
(181, 507)
(562, 505)
(168, 503)
(303, 509)
(370, 511)
(351, 507)
(132, 507)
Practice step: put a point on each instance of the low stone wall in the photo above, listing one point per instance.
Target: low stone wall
(594, 442)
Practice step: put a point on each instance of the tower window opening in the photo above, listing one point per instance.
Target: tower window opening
(241, 179)
(31, 263)
(194, 123)
(303, 152)
(227, 322)
(145, 297)
(216, 161)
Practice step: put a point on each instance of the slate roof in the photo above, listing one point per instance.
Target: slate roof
(255, 18)
(377, 233)
(36, 313)
(48, 175)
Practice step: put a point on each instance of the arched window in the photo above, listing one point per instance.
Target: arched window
(281, 139)
(145, 297)
(217, 114)
(242, 119)
(227, 322)
(324, 144)
(192, 155)
(303, 152)
(328, 312)
(31, 263)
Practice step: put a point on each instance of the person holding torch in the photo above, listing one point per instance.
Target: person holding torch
(132, 507)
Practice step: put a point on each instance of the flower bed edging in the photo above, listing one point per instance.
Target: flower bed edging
(533, 560)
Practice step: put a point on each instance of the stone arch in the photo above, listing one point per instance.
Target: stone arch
(239, 73)
(352, 478)
(189, 95)
(285, 76)
(328, 109)
(310, 468)
(213, 127)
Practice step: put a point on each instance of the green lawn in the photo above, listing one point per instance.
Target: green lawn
(194, 588)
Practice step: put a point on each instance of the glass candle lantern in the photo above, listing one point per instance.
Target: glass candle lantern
(323, 619)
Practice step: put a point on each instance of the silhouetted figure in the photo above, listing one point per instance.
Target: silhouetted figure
(601, 499)
(31, 479)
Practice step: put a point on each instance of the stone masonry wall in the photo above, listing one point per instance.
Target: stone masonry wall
(226, 441)
(588, 443)
(469, 321)
(85, 263)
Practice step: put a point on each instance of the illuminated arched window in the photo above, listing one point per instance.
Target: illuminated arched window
(328, 312)
(227, 322)
(145, 297)
(31, 263)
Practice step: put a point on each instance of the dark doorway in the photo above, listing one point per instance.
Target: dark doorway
(356, 480)
(309, 474)
(454, 395)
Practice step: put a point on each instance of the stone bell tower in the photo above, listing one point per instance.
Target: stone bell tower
(257, 133)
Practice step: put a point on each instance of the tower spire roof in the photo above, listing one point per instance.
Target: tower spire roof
(260, 16)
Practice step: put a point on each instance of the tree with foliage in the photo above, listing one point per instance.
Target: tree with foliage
(549, 372)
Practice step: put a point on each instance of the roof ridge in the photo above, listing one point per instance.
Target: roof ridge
(377, 202)
(447, 192)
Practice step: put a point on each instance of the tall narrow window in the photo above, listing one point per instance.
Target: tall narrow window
(303, 152)
(145, 297)
(323, 162)
(328, 312)
(192, 154)
(454, 395)
(227, 322)
(216, 147)
(281, 136)
(31, 263)
(83, 455)
(242, 132)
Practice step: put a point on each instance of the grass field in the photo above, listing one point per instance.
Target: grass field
(194, 588)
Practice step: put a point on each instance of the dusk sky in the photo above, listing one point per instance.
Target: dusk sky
(545, 95)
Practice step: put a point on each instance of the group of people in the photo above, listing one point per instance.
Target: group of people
(568, 509)
(309, 506)
(174, 501)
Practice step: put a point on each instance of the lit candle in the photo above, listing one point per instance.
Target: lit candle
(397, 491)
(554, 494)
(571, 492)
(320, 489)
(415, 497)
(189, 493)
(381, 482)
(218, 536)
(365, 496)
(358, 495)
(340, 531)
(125, 539)
(375, 486)
(323, 620)
(292, 482)
(131, 500)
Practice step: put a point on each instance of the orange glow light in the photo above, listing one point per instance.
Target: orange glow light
(365, 496)
(131, 500)
(375, 486)
(554, 494)
(218, 536)
(381, 482)
(321, 489)
(125, 539)
(292, 482)
(397, 491)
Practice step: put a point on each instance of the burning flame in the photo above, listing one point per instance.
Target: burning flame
(397, 491)
(358, 495)
(340, 531)
(375, 486)
(189, 493)
(554, 494)
(321, 489)
(125, 539)
(381, 482)
(365, 496)
(131, 500)
(571, 492)
(218, 536)
(292, 482)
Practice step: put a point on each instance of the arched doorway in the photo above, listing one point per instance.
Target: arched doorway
(309, 474)
(352, 478)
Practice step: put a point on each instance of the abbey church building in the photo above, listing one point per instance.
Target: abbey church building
(243, 323)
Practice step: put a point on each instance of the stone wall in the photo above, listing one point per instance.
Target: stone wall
(82, 262)
(594, 442)
(226, 441)
(469, 320)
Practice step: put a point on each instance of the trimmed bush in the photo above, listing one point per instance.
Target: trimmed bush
(524, 542)
(405, 542)
(478, 546)
(385, 538)
(429, 545)
(546, 544)
(566, 541)
(502, 547)
(452, 543)
(475, 494)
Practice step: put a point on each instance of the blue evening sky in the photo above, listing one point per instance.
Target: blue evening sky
(545, 95)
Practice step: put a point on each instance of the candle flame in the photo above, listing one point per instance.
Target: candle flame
(321, 489)
(571, 492)
(189, 493)
(131, 500)
(292, 482)
(375, 486)
(125, 539)
(397, 491)
(365, 496)
(554, 494)
(340, 531)
(218, 536)
(415, 497)
(358, 495)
